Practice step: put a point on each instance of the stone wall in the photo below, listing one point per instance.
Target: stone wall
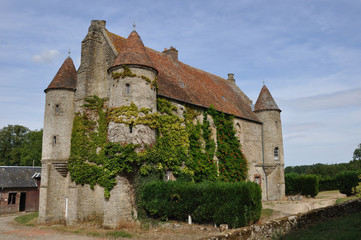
(284, 225)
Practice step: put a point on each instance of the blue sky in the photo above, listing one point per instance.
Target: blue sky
(307, 52)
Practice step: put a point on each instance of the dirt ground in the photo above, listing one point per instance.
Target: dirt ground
(287, 207)
(162, 231)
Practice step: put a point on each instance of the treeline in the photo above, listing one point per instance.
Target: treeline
(342, 176)
(19, 146)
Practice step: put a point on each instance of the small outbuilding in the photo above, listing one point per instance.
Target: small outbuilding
(19, 189)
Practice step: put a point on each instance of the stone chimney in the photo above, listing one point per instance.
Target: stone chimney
(231, 77)
(96, 24)
(172, 52)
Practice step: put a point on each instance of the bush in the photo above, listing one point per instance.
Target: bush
(236, 204)
(347, 180)
(307, 185)
(292, 184)
(328, 183)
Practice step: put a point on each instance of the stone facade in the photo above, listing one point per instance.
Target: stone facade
(103, 57)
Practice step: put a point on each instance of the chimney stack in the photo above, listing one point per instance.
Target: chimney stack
(231, 77)
(172, 52)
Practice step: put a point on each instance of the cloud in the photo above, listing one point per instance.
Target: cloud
(336, 100)
(47, 56)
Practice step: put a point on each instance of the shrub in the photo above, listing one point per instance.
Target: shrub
(347, 180)
(307, 184)
(328, 183)
(236, 204)
(292, 184)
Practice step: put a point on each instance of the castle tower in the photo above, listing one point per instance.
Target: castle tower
(58, 123)
(131, 81)
(268, 112)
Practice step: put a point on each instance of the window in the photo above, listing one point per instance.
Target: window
(276, 153)
(131, 128)
(57, 108)
(54, 140)
(127, 88)
(257, 179)
(12, 198)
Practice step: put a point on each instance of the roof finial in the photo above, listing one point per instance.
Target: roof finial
(263, 83)
(134, 25)
(69, 52)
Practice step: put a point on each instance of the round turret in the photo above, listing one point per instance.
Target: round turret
(59, 113)
(268, 113)
(132, 82)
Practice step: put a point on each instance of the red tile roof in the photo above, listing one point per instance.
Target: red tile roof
(265, 101)
(182, 82)
(133, 52)
(65, 78)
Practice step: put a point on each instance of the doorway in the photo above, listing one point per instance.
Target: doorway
(22, 202)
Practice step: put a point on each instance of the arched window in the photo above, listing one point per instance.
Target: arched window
(276, 153)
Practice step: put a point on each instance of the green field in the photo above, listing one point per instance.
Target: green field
(341, 228)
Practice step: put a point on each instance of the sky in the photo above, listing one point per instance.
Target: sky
(308, 54)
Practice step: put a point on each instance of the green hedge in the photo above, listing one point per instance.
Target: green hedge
(328, 183)
(347, 180)
(236, 204)
(307, 184)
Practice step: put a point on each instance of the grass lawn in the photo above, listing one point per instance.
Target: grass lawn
(27, 219)
(341, 228)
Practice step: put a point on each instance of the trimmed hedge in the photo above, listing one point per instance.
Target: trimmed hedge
(328, 184)
(347, 180)
(236, 204)
(307, 184)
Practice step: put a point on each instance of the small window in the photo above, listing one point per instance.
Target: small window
(127, 88)
(276, 153)
(54, 140)
(131, 128)
(257, 179)
(57, 108)
(12, 198)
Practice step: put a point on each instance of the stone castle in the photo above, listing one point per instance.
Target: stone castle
(103, 57)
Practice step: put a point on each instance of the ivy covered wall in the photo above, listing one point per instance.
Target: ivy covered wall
(184, 145)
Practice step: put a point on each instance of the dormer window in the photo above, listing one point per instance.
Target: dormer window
(276, 153)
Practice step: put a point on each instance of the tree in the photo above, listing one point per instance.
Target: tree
(357, 153)
(11, 138)
(31, 148)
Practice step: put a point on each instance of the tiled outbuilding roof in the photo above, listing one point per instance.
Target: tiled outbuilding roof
(182, 82)
(265, 101)
(18, 177)
(133, 52)
(65, 78)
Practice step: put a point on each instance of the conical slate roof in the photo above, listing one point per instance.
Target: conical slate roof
(65, 78)
(133, 52)
(265, 101)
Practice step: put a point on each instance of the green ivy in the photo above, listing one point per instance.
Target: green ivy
(185, 148)
(127, 72)
(232, 162)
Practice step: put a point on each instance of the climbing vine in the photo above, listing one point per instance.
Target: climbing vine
(232, 162)
(127, 72)
(183, 145)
